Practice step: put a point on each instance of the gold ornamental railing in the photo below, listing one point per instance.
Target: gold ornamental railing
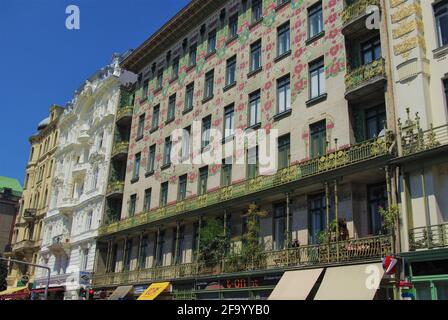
(364, 249)
(120, 147)
(357, 8)
(435, 236)
(122, 112)
(365, 73)
(115, 187)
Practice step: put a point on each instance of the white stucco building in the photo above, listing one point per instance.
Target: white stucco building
(80, 182)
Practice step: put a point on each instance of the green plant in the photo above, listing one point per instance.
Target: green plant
(389, 217)
(214, 241)
(328, 235)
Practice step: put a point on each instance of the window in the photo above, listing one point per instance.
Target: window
(441, 14)
(315, 20)
(147, 200)
(192, 55)
(159, 79)
(160, 249)
(84, 259)
(141, 126)
(171, 108)
(377, 198)
(284, 94)
(136, 172)
(252, 163)
(206, 126)
(182, 192)
(155, 118)
(226, 174)
(96, 172)
(318, 139)
(211, 42)
(209, 84)
(143, 253)
(254, 108)
(280, 226)
(283, 39)
(186, 141)
(233, 26)
(317, 78)
(231, 71)
(229, 121)
(371, 50)
(145, 89)
(203, 177)
(318, 217)
(255, 56)
(180, 258)
(167, 154)
(257, 10)
(128, 255)
(445, 85)
(283, 152)
(175, 70)
(164, 194)
(132, 205)
(375, 121)
(151, 159)
(189, 96)
(89, 220)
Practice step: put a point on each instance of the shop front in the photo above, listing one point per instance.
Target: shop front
(21, 293)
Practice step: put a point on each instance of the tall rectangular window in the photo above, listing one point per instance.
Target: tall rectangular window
(137, 162)
(189, 96)
(164, 194)
(254, 108)
(202, 183)
(167, 154)
(255, 56)
(160, 79)
(284, 94)
(186, 142)
(226, 174)
(231, 71)
(283, 39)
(175, 69)
(252, 163)
(280, 226)
(141, 126)
(318, 139)
(211, 42)
(284, 151)
(206, 126)
(315, 20)
(143, 253)
(257, 10)
(209, 84)
(155, 117)
(317, 78)
(318, 216)
(145, 89)
(151, 159)
(375, 121)
(233, 26)
(132, 205)
(371, 50)
(229, 121)
(182, 192)
(377, 198)
(147, 200)
(441, 15)
(84, 259)
(171, 108)
(192, 55)
(445, 86)
(160, 249)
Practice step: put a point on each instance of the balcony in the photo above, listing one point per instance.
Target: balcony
(431, 237)
(29, 215)
(120, 150)
(80, 169)
(115, 188)
(84, 136)
(365, 79)
(354, 15)
(369, 150)
(124, 114)
(8, 253)
(59, 244)
(355, 250)
(24, 247)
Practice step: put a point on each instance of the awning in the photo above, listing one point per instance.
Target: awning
(357, 282)
(121, 292)
(154, 291)
(295, 285)
(54, 289)
(13, 293)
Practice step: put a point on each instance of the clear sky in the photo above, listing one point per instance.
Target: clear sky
(43, 63)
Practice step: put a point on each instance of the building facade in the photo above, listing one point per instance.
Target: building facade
(79, 185)
(10, 193)
(314, 77)
(35, 197)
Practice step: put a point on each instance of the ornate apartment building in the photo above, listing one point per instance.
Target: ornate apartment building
(311, 74)
(28, 228)
(79, 185)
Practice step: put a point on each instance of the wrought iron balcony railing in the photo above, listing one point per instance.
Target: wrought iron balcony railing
(435, 236)
(357, 8)
(361, 75)
(364, 249)
(355, 154)
(124, 112)
(120, 148)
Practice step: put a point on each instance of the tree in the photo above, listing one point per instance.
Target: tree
(3, 275)
(214, 241)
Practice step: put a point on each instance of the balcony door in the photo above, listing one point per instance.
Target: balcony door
(377, 198)
(317, 217)
(318, 139)
(375, 122)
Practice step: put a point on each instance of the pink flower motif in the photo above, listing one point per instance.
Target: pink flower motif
(268, 128)
(267, 85)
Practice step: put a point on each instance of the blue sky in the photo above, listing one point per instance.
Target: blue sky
(42, 63)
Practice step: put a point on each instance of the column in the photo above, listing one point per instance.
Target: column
(336, 214)
(109, 256)
(155, 262)
(288, 231)
(223, 262)
(198, 250)
(176, 248)
(124, 254)
(426, 205)
(139, 251)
